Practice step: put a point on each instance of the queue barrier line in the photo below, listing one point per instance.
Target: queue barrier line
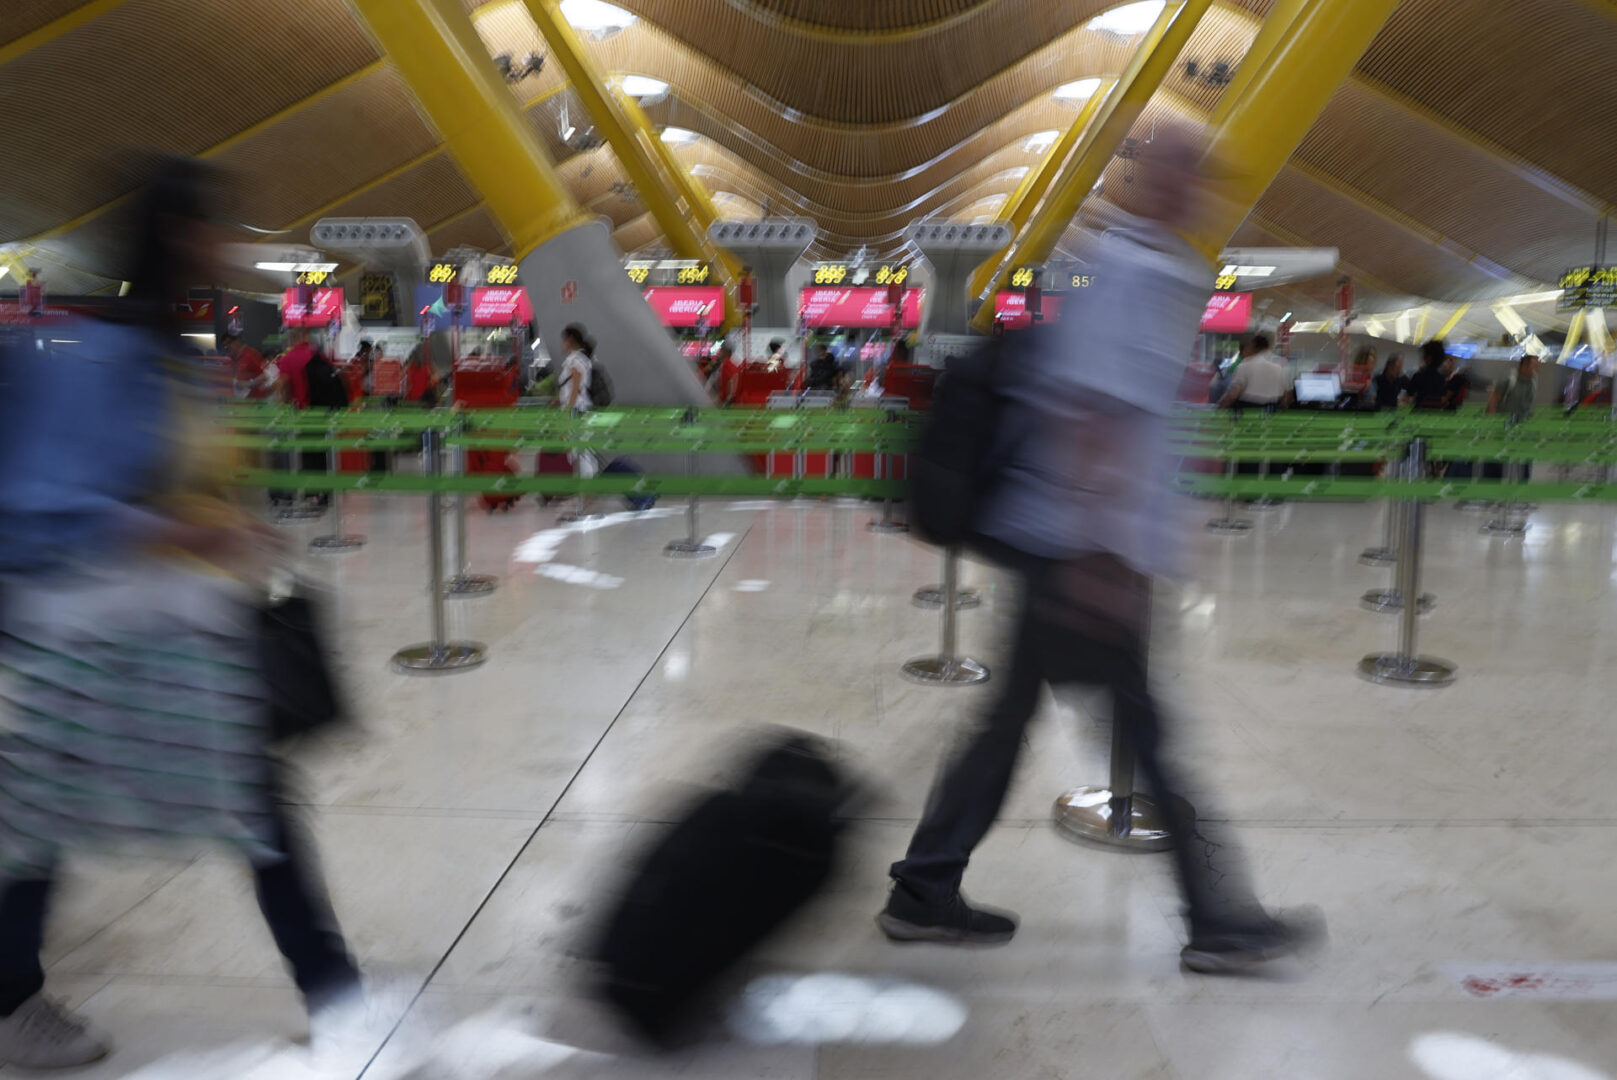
(605, 484)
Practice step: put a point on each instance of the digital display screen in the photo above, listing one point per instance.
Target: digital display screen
(687, 305)
(1011, 311)
(856, 307)
(432, 313)
(324, 308)
(1316, 388)
(505, 274)
(1227, 313)
(501, 305)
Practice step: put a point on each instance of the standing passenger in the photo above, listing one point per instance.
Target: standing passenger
(1389, 387)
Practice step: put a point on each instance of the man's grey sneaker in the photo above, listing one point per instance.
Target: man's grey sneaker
(953, 922)
(43, 1035)
(1238, 949)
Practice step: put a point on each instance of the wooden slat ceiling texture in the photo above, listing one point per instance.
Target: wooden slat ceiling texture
(1465, 159)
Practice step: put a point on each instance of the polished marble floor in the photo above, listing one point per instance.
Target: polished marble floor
(1453, 838)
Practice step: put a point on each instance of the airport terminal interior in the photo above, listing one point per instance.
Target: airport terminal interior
(648, 323)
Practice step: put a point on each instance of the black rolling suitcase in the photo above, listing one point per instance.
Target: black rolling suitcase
(735, 867)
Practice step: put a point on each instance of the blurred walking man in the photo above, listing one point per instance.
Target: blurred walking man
(1085, 514)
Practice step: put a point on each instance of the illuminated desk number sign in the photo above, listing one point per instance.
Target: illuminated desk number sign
(314, 277)
(1588, 287)
(830, 274)
(443, 273)
(692, 275)
(1225, 282)
(639, 272)
(1023, 277)
(1082, 281)
(892, 275)
(502, 275)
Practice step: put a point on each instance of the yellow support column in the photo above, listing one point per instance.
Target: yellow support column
(1453, 320)
(1150, 65)
(1031, 191)
(1280, 100)
(1276, 25)
(435, 48)
(1574, 336)
(632, 143)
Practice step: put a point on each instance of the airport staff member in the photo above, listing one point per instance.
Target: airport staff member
(1260, 382)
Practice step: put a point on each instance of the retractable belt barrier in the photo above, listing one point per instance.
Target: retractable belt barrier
(1215, 443)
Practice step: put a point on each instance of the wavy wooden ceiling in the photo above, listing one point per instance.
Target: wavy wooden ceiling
(1467, 156)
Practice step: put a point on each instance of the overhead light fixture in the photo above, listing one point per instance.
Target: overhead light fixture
(678, 136)
(1247, 271)
(642, 86)
(1082, 90)
(1040, 142)
(1129, 20)
(595, 17)
(567, 136)
(297, 267)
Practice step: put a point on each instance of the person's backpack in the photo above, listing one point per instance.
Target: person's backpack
(962, 451)
(326, 388)
(600, 388)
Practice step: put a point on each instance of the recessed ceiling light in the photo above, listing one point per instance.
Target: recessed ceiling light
(1081, 90)
(595, 16)
(677, 136)
(1040, 142)
(641, 86)
(1128, 20)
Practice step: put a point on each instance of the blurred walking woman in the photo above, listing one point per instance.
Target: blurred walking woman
(132, 708)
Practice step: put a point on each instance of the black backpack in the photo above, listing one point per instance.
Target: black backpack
(963, 447)
(600, 387)
(326, 388)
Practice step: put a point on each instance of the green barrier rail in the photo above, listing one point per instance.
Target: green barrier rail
(608, 484)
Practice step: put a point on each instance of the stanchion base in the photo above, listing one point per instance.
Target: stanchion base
(301, 513)
(333, 544)
(946, 670)
(1504, 528)
(888, 527)
(689, 549)
(1088, 813)
(1393, 669)
(932, 597)
(1229, 525)
(1265, 502)
(1389, 600)
(430, 659)
(470, 585)
(1379, 556)
(1475, 505)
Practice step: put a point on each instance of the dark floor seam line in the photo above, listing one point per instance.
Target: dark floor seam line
(559, 798)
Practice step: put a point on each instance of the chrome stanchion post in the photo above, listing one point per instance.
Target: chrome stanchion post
(1228, 522)
(438, 655)
(1407, 667)
(1115, 815)
(1513, 519)
(1386, 601)
(1387, 553)
(884, 468)
(933, 596)
(691, 547)
(336, 540)
(299, 511)
(947, 667)
(464, 583)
